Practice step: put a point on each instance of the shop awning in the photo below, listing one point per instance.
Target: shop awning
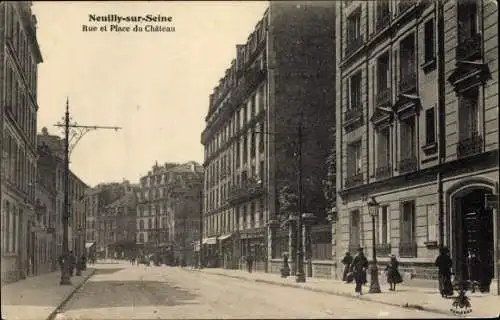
(89, 244)
(210, 241)
(226, 236)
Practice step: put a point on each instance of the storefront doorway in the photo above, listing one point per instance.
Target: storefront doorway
(474, 235)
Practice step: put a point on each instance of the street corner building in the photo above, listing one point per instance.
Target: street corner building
(417, 130)
(168, 211)
(19, 59)
(280, 80)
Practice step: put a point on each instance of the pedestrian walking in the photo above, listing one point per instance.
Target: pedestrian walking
(249, 263)
(358, 268)
(72, 263)
(444, 263)
(285, 269)
(393, 275)
(347, 261)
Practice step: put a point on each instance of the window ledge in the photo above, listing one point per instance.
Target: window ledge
(429, 65)
(431, 244)
(430, 147)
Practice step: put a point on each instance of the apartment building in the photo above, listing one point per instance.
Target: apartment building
(280, 80)
(417, 131)
(19, 58)
(168, 208)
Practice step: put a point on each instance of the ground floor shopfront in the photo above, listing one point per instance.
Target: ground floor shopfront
(418, 213)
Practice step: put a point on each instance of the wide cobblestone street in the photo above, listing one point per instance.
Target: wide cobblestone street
(123, 291)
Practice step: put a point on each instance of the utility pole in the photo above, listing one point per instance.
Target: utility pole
(65, 272)
(300, 275)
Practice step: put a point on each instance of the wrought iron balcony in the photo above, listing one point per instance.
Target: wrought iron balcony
(408, 250)
(408, 81)
(383, 18)
(405, 5)
(353, 45)
(470, 146)
(408, 165)
(383, 249)
(469, 47)
(353, 180)
(245, 191)
(384, 97)
(353, 114)
(383, 171)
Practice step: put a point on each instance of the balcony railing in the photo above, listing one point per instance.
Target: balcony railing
(405, 5)
(353, 113)
(247, 190)
(383, 249)
(353, 45)
(470, 146)
(469, 47)
(408, 81)
(353, 180)
(408, 165)
(384, 97)
(383, 171)
(383, 19)
(408, 250)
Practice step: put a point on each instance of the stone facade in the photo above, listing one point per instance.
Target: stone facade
(168, 208)
(19, 58)
(418, 95)
(251, 133)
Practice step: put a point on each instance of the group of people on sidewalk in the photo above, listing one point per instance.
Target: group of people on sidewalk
(355, 269)
(78, 263)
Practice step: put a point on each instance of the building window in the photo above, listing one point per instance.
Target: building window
(354, 163)
(354, 30)
(245, 149)
(407, 70)
(430, 126)
(354, 95)
(383, 73)
(355, 231)
(252, 215)
(468, 22)
(432, 223)
(407, 246)
(384, 226)
(253, 142)
(408, 138)
(429, 41)
(261, 212)
(383, 148)
(150, 224)
(141, 237)
(468, 113)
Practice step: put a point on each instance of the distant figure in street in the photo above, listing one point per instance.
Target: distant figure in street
(72, 263)
(60, 260)
(249, 263)
(285, 269)
(358, 267)
(444, 263)
(393, 275)
(346, 261)
(84, 262)
(473, 263)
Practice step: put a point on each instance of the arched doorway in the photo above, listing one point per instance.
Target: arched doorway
(472, 230)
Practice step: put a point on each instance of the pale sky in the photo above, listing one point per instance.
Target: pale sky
(154, 85)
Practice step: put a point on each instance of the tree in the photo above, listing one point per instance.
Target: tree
(288, 201)
(329, 183)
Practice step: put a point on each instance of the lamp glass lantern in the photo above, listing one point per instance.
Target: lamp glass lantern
(373, 208)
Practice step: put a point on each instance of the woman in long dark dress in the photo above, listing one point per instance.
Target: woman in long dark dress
(346, 261)
(393, 275)
(444, 263)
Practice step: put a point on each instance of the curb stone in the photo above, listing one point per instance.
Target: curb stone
(336, 293)
(70, 295)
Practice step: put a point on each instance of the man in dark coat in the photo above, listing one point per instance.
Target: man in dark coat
(444, 263)
(359, 267)
(72, 263)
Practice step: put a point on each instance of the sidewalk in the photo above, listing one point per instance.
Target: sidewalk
(38, 297)
(429, 299)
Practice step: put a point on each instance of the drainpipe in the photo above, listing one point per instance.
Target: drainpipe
(441, 116)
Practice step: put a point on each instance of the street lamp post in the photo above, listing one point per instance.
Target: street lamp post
(374, 283)
(65, 272)
(300, 275)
